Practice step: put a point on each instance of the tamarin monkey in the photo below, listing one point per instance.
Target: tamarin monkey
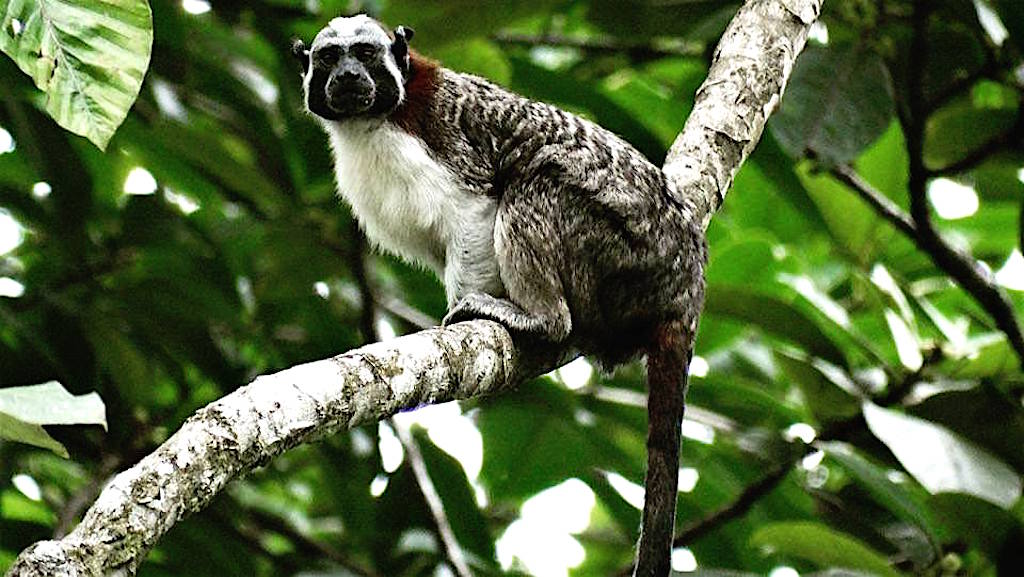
(533, 217)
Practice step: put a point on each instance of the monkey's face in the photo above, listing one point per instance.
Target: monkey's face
(354, 69)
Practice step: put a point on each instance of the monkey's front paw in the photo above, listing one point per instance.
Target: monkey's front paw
(469, 307)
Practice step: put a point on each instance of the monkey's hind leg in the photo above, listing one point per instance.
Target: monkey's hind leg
(529, 271)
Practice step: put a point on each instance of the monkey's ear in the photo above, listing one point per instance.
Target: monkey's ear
(300, 53)
(405, 32)
(400, 48)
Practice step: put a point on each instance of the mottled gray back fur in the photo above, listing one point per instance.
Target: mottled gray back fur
(598, 244)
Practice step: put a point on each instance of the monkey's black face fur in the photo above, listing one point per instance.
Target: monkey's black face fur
(354, 69)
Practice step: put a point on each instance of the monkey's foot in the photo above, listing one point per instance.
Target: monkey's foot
(484, 306)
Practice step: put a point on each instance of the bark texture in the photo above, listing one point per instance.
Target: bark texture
(750, 69)
(246, 429)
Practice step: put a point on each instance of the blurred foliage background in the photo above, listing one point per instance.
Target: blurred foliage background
(853, 410)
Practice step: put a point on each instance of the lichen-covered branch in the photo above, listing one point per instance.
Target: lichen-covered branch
(749, 71)
(246, 429)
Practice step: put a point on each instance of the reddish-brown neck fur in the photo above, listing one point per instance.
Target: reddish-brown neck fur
(419, 94)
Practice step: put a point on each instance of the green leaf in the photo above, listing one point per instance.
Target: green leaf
(828, 390)
(23, 411)
(839, 100)
(893, 497)
(964, 126)
(775, 316)
(941, 460)
(88, 56)
(822, 546)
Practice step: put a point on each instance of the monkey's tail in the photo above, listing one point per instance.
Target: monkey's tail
(668, 359)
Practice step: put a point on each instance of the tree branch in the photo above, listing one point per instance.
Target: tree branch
(251, 426)
(878, 201)
(960, 266)
(748, 73)
(230, 437)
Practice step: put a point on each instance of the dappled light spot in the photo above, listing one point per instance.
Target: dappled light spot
(6, 141)
(802, 431)
(195, 6)
(818, 33)
(688, 477)
(576, 375)
(322, 289)
(11, 288)
(385, 330)
(698, 366)
(11, 232)
(628, 490)
(140, 182)
(565, 507)
(542, 538)
(541, 551)
(951, 199)
(378, 485)
(1011, 275)
(683, 560)
(783, 571)
(41, 190)
(698, 432)
(184, 203)
(907, 347)
(391, 451)
(812, 461)
(28, 487)
(990, 21)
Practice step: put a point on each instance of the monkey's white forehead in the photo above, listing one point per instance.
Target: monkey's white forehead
(354, 28)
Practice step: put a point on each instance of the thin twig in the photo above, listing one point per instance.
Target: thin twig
(636, 50)
(878, 201)
(433, 499)
(979, 155)
(961, 267)
(735, 509)
(309, 547)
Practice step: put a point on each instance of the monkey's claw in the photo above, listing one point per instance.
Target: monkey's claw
(469, 307)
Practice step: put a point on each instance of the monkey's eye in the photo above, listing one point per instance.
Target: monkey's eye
(326, 57)
(364, 51)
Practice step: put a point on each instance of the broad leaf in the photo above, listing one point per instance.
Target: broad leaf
(822, 546)
(838, 102)
(941, 460)
(23, 411)
(88, 56)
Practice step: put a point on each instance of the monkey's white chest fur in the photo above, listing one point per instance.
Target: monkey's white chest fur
(412, 206)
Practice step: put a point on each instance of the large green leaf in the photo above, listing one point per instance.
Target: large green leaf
(822, 546)
(24, 410)
(88, 56)
(941, 460)
(838, 102)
